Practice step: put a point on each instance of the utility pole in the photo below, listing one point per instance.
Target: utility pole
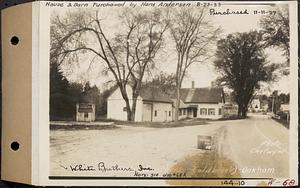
(273, 101)
(274, 94)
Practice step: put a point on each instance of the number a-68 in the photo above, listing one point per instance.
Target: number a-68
(288, 182)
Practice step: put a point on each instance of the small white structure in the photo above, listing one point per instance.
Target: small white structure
(85, 112)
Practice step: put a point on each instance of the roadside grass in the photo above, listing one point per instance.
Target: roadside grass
(173, 124)
(205, 165)
(82, 127)
(285, 123)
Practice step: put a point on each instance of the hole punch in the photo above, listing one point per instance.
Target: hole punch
(15, 146)
(14, 40)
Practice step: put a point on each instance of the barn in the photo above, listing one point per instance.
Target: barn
(150, 106)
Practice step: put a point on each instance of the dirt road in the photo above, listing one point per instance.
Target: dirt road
(257, 145)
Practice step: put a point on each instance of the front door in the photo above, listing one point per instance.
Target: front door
(147, 112)
(166, 115)
(195, 112)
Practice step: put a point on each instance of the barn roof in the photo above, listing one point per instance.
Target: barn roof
(154, 95)
(202, 95)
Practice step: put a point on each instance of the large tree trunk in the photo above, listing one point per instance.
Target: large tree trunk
(177, 103)
(128, 110)
(239, 110)
(125, 97)
(244, 112)
(133, 108)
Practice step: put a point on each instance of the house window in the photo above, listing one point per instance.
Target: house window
(155, 113)
(220, 111)
(211, 111)
(184, 111)
(86, 115)
(124, 109)
(180, 112)
(169, 113)
(203, 111)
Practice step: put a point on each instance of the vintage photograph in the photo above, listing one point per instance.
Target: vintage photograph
(169, 90)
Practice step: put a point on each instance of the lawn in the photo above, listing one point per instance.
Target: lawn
(173, 124)
(72, 127)
(110, 124)
(283, 122)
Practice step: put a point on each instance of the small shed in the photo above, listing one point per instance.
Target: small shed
(85, 112)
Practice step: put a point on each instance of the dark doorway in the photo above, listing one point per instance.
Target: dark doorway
(195, 112)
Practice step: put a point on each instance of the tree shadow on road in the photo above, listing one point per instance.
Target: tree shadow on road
(205, 165)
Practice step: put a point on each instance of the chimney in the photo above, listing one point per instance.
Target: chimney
(193, 84)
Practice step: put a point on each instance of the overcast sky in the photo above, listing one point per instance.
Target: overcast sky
(202, 74)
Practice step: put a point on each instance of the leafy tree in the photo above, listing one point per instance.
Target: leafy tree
(241, 61)
(59, 100)
(193, 35)
(276, 32)
(63, 95)
(284, 98)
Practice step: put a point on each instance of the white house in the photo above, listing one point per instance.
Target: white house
(258, 104)
(255, 105)
(204, 103)
(156, 106)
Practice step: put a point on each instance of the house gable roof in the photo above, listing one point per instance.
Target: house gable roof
(187, 95)
(202, 95)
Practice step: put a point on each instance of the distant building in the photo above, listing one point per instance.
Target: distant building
(285, 107)
(264, 105)
(155, 106)
(255, 105)
(258, 104)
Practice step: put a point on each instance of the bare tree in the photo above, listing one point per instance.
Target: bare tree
(193, 35)
(128, 54)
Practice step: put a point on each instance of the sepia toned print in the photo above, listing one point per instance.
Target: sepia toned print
(179, 91)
